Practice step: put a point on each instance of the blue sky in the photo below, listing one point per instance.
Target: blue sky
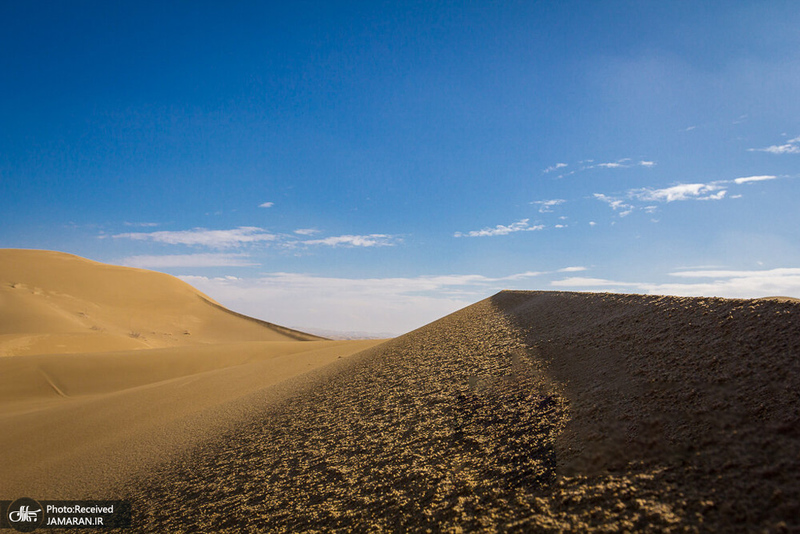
(372, 166)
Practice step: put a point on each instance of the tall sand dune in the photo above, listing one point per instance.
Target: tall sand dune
(108, 371)
(51, 302)
(526, 412)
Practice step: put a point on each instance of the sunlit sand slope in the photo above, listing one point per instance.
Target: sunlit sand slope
(71, 425)
(529, 411)
(51, 302)
(108, 371)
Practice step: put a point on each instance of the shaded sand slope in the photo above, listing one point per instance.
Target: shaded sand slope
(529, 411)
(51, 302)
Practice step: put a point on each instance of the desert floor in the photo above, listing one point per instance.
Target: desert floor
(528, 411)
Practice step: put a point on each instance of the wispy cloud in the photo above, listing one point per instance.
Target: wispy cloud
(588, 164)
(519, 226)
(247, 236)
(624, 203)
(371, 240)
(617, 204)
(546, 206)
(217, 239)
(623, 163)
(266, 205)
(188, 260)
(583, 282)
(396, 305)
(306, 231)
(572, 269)
(712, 191)
(749, 179)
(142, 224)
(710, 283)
(792, 146)
(728, 273)
(555, 167)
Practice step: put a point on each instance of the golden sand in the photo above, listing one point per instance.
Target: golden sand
(109, 370)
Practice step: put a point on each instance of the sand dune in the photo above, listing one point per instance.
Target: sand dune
(85, 403)
(51, 302)
(529, 412)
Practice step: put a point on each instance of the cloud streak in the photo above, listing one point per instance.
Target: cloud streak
(589, 164)
(396, 305)
(750, 179)
(712, 191)
(188, 260)
(251, 235)
(555, 167)
(371, 240)
(546, 206)
(216, 239)
(617, 204)
(790, 147)
(519, 226)
(716, 190)
(710, 283)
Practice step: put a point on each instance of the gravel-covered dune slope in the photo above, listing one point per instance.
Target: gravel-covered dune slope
(528, 411)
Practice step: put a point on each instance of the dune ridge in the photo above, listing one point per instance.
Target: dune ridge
(528, 411)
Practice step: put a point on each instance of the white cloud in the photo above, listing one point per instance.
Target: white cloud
(722, 283)
(616, 204)
(218, 239)
(571, 269)
(609, 165)
(142, 224)
(722, 273)
(592, 223)
(188, 260)
(372, 240)
(578, 281)
(395, 305)
(250, 235)
(555, 167)
(791, 147)
(519, 226)
(679, 192)
(266, 205)
(716, 190)
(588, 164)
(624, 163)
(546, 206)
(749, 179)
